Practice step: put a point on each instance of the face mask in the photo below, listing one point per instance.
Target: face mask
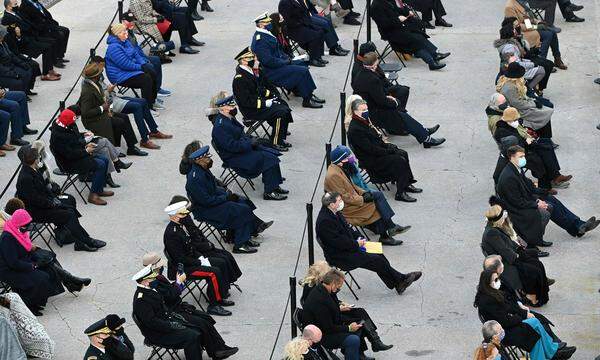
(365, 115)
(251, 63)
(23, 229)
(341, 206)
(496, 284)
(514, 124)
(502, 106)
(269, 27)
(233, 112)
(154, 284)
(522, 162)
(209, 162)
(352, 160)
(501, 335)
(349, 168)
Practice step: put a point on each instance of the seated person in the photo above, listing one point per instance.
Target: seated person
(535, 115)
(348, 313)
(185, 246)
(132, 105)
(361, 207)
(539, 34)
(491, 347)
(16, 71)
(280, 69)
(216, 205)
(11, 206)
(15, 104)
(385, 108)
(181, 20)
(398, 25)
(97, 116)
(539, 152)
(108, 340)
(25, 39)
(523, 328)
(567, 9)
(75, 155)
(342, 246)
(428, 8)
(302, 347)
(260, 100)
(245, 154)
(342, 9)
(30, 335)
(530, 208)
(279, 30)
(4, 123)
(383, 161)
(160, 326)
(126, 67)
(33, 273)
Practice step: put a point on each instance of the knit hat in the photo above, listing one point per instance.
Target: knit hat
(117, 28)
(510, 114)
(66, 117)
(366, 48)
(92, 70)
(514, 71)
(339, 153)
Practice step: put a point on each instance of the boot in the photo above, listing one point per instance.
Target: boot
(110, 182)
(195, 16)
(121, 165)
(205, 7)
(70, 281)
(378, 345)
(559, 63)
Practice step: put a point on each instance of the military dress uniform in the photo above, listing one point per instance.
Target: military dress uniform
(116, 347)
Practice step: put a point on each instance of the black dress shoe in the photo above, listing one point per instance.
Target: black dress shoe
(410, 278)
(337, 51)
(187, 50)
(274, 196)
(110, 182)
(135, 151)
(217, 310)
(121, 165)
(390, 241)
(196, 17)
(543, 254)
(253, 243)
(79, 246)
(244, 249)
(280, 148)
(353, 13)
(19, 142)
(224, 354)
(286, 144)
(397, 229)
(311, 104)
(263, 226)
(30, 93)
(317, 99)
(97, 243)
(589, 225)
(28, 131)
(377, 345)
(441, 56)
(428, 25)
(351, 20)
(282, 191)
(433, 142)
(59, 65)
(442, 22)
(224, 302)
(436, 66)
(404, 197)
(64, 60)
(545, 243)
(413, 189)
(574, 18)
(433, 130)
(316, 63)
(573, 7)
(195, 42)
(551, 282)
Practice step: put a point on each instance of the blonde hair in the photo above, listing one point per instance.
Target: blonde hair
(504, 225)
(315, 273)
(518, 83)
(295, 349)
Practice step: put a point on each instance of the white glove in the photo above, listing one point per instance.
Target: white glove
(303, 57)
(269, 102)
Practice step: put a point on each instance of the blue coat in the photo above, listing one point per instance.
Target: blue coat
(235, 149)
(209, 201)
(278, 67)
(123, 61)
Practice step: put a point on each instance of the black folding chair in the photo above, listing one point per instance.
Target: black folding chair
(158, 352)
(380, 185)
(346, 272)
(4, 288)
(37, 230)
(192, 284)
(71, 182)
(229, 176)
(257, 128)
(209, 230)
(121, 90)
(387, 50)
(147, 39)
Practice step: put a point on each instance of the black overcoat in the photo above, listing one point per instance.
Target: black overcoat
(68, 147)
(299, 25)
(405, 36)
(496, 242)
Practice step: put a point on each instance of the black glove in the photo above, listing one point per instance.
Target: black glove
(538, 104)
(232, 197)
(367, 197)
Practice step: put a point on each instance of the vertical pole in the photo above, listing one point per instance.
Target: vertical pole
(61, 105)
(120, 9)
(293, 305)
(92, 53)
(355, 45)
(328, 153)
(342, 116)
(368, 20)
(311, 235)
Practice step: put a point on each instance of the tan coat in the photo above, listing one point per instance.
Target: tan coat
(145, 18)
(513, 8)
(356, 211)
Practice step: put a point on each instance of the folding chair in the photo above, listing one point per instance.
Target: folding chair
(229, 176)
(361, 230)
(71, 181)
(209, 230)
(121, 90)
(346, 272)
(158, 352)
(36, 230)
(4, 288)
(387, 51)
(254, 126)
(381, 186)
(147, 39)
(191, 285)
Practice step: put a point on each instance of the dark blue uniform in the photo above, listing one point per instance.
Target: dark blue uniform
(279, 68)
(235, 149)
(210, 204)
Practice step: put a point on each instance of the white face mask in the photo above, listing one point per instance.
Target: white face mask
(514, 124)
(341, 206)
(496, 284)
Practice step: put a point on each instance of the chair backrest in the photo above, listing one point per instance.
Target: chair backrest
(297, 316)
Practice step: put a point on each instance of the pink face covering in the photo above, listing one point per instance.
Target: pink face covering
(19, 218)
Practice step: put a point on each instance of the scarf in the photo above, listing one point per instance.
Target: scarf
(20, 218)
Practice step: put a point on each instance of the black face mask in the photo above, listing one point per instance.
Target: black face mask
(154, 284)
(23, 229)
(209, 163)
(251, 63)
(233, 112)
(349, 168)
(503, 107)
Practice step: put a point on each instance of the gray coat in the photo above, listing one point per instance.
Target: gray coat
(532, 116)
(507, 48)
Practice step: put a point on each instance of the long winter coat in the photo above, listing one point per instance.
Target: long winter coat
(123, 60)
(407, 36)
(514, 9)
(495, 242)
(532, 116)
(297, 15)
(68, 147)
(356, 211)
(92, 116)
(145, 18)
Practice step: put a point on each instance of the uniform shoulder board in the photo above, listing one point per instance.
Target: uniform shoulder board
(257, 36)
(237, 76)
(140, 295)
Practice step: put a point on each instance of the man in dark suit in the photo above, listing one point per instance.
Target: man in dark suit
(108, 340)
(165, 328)
(342, 246)
(385, 108)
(530, 208)
(181, 20)
(259, 100)
(16, 72)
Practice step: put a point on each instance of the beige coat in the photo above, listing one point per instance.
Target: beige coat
(145, 18)
(513, 8)
(356, 211)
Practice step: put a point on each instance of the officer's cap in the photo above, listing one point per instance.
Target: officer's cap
(245, 54)
(199, 153)
(177, 208)
(263, 18)
(225, 101)
(146, 273)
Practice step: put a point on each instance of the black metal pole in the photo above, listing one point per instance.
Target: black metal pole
(61, 105)
(328, 153)
(311, 235)
(355, 47)
(368, 20)
(293, 305)
(342, 116)
(92, 53)
(120, 9)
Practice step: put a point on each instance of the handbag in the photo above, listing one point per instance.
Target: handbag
(43, 258)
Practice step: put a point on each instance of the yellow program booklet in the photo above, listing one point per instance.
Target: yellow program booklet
(373, 247)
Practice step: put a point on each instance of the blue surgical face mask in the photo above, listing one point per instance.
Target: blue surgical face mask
(502, 335)
(269, 27)
(522, 162)
(365, 115)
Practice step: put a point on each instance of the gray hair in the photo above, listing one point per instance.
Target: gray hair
(495, 100)
(6, 3)
(488, 330)
(356, 103)
(329, 198)
(492, 262)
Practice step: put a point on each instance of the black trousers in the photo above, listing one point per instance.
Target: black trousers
(60, 34)
(122, 127)
(549, 7)
(428, 8)
(216, 277)
(208, 337)
(380, 264)
(65, 216)
(190, 340)
(232, 268)
(183, 23)
(314, 48)
(23, 83)
(357, 315)
(146, 84)
(45, 46)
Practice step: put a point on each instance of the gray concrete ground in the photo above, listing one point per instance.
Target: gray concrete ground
(435, 318)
